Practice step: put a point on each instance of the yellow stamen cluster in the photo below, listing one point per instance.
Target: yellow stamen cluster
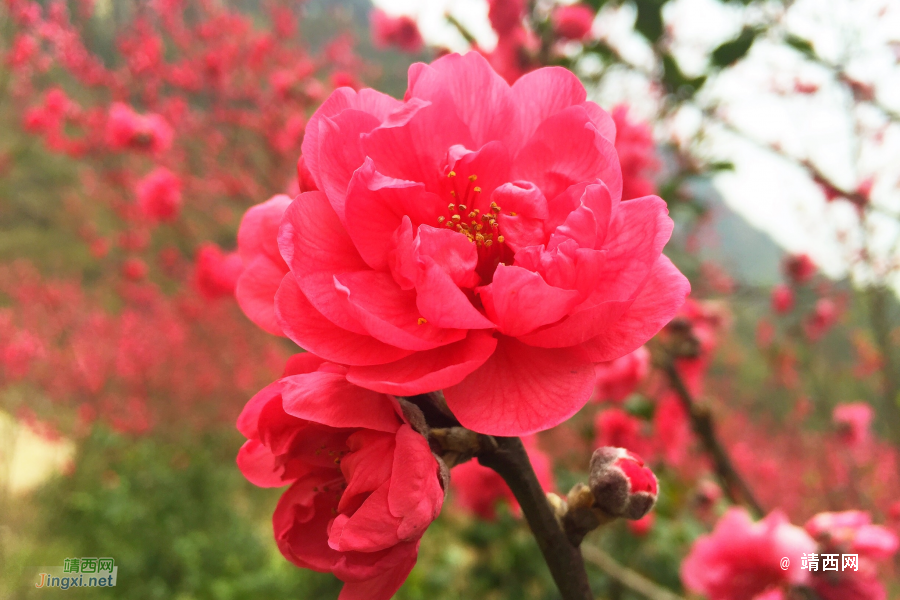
(481, 229)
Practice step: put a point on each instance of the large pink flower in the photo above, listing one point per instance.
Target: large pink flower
(365, 484)
(471, 238)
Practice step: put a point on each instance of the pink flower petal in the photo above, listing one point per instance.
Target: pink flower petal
(416, 495)
(522, 389)
(367, 100)
(307, 327)
(382, 587)
(427, 371)
(490, 114)
(413, 143)
(370, 529)
(260, 466)
(317, 247)
(389, 313)
(659, 301)
(567, 149)
(520, 301)
(323, 398)
(255, 292)
(341, 153)
(376, 206)
(543, 93)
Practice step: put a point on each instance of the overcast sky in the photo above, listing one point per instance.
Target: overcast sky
(769, 192)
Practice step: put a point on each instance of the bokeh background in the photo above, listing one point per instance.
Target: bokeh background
(134, 134)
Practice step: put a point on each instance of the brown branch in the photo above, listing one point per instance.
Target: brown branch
(704, 428)
(566, 564)
(627, 577)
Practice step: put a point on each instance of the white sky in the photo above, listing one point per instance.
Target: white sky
(768, 191)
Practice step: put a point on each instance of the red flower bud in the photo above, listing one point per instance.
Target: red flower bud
(621, 484)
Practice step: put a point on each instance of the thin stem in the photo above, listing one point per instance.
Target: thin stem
(566, 564)
(630, 579)
(467, 35)
(704, 428)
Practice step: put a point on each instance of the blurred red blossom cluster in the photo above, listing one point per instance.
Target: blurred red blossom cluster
(836, 555)
(201, 113)
(153, 360)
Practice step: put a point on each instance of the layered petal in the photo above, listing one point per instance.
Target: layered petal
(317, 247)
(341, 153)
(490, 114)
(522, 389)
(413, 143)
(263, 266)
(307, 327)
(256, 289)
(520, 301)
(323, 398)
(415, 495)
(659, 300)
(427, 371)
(374, 103)
(565, 149)
(389, 313)
(376, 206)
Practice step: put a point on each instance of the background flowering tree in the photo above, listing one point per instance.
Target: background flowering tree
(137, 136)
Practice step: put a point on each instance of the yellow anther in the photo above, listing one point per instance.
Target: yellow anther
(479, 238)
(472, 215)
(462, 208)
(451, 206)
(451, 174)
(488, 243)
(456, 218)
(477, 190)
(500, 238)
(512, 214)
(452, 192)
(479, 227)
(422, 320)
(473, 177)
(449, 223)
(441, 219)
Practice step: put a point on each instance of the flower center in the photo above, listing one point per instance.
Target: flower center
(480, 229)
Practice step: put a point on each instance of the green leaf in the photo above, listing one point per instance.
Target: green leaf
(676, 81)
(732, 51)
(799, 44)
(649, 22)
(595, 4)
(723, 165)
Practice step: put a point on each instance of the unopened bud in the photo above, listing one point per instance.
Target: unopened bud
(621, 484)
